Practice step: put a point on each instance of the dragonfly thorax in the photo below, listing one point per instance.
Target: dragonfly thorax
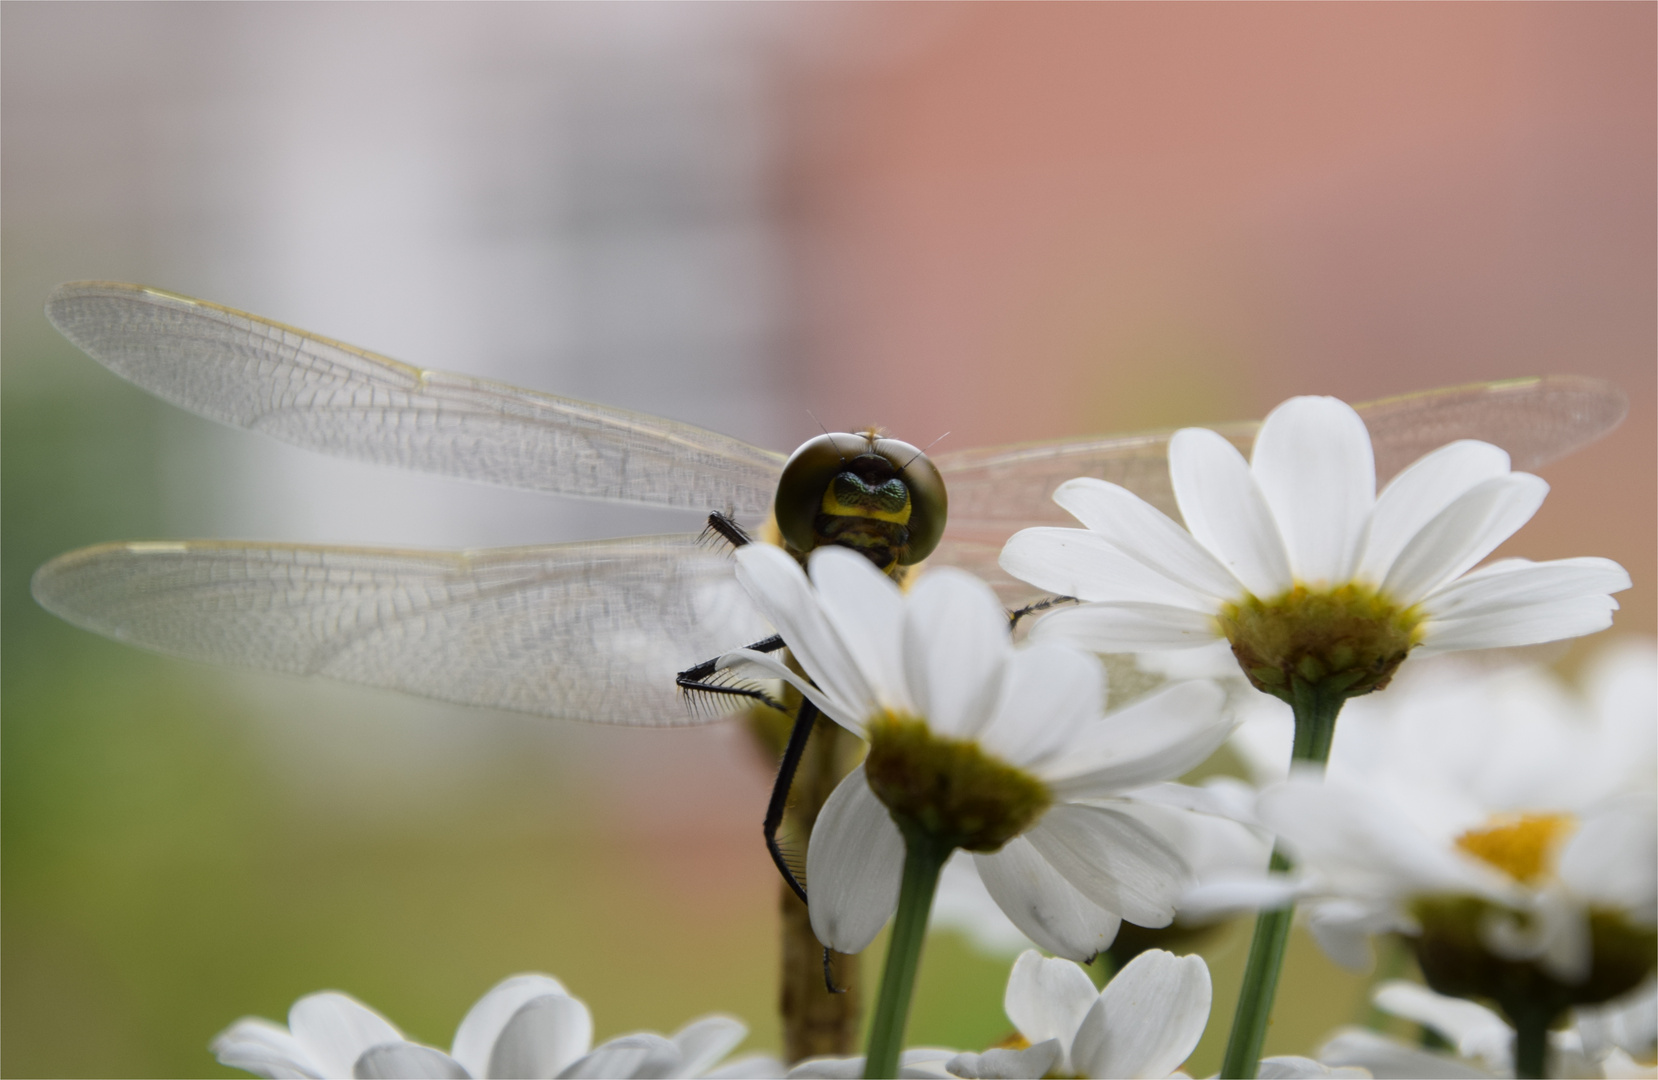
(880, 497)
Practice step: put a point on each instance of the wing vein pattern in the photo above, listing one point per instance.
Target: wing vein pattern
(322, 394)
(590, 631)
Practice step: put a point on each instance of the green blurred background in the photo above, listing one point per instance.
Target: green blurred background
(1008, 222)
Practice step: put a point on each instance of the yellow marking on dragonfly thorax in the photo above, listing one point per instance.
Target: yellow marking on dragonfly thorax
(1522, 846)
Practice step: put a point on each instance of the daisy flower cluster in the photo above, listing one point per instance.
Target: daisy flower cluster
(1504, 826)
(527, 1025)
(1501, 826)
(1500, 784)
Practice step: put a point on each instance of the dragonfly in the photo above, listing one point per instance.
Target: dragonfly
(594, 631)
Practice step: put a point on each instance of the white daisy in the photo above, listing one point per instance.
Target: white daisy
(1603, 1042)
(1146, 1021)
(1565, 881)
(1294, 559)
(1500, 785)
(1008, 748)
(527, 1025)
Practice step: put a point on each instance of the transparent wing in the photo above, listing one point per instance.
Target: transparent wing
(996, 491)
(246, 371)
(590, 631)
(1535, 420)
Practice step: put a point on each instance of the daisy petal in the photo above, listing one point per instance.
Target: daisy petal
(1384, 1057)
(827, 1068)
(1076, 562)
(1127, 627)
(1038, 1060)
(1519, 626)
(628, 1056)
(335, 1029)
(264, 1049)
(749, 1067)
(855, 862)
(1163, 734)
(703, 1042)
(1293, 1067)
(1117, 862)
(407, 1061)
(1141, 530)
(1343, 937)
(1225, 511)
(1462, 534)
(780, 590)
(1613, 858)
(1419, 493)
(1228, 897)
(1148, 1019)
(1470, 1027)
(955, 639)
(1516, 583)
(1313, 463)
(1043, 905)
(483, 1022)
(1049, 692)
(867, 612)
(542, 1038)
(1047, 999)
(922, 1062)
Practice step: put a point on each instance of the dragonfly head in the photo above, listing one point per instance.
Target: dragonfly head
(880, 497)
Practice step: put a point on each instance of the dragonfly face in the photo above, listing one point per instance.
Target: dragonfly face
(880, 497)
(590, 631)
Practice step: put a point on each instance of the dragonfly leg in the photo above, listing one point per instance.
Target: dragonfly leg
(726, 528)
(829, 974)
(699, 679)
(704, 678)
(803, 721)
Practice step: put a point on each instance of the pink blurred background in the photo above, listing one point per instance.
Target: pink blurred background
(1174, 213)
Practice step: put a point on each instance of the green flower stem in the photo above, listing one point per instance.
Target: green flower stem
(924, 858)
(1531, 1041)
(1316, 705)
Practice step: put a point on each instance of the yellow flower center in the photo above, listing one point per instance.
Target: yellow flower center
(1520, 845)
(1352, 638)
(948, 788)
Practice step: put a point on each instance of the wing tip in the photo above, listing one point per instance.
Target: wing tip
(70, 291)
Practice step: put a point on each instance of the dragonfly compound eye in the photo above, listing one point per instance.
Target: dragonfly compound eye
(881, 497)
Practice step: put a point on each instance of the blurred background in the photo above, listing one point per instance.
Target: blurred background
(1004, 222)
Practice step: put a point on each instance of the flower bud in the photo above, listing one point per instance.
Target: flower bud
(1351, 639)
